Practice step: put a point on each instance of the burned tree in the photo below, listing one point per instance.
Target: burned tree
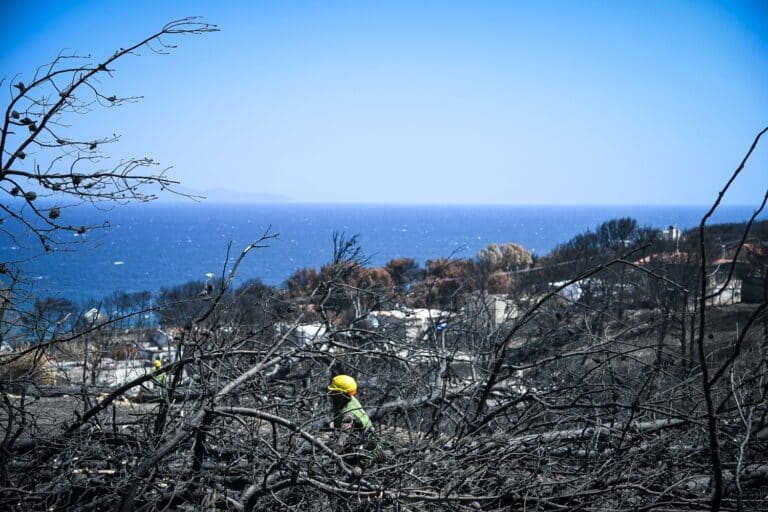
(45, 167)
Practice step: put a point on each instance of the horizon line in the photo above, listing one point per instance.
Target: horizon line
(435, 204)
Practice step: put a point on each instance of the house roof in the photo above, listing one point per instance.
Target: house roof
(663, 257)
(758, 249)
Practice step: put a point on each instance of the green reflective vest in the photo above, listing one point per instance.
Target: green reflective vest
(354, 407)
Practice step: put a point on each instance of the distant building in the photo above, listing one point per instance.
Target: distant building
(666, 258)
(414, 324)
(109, 372)
(303, 334)
(755, 282)
(94, 316)
(572, 292)
(159, 339)
(670, 234)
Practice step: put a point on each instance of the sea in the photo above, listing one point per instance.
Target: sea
(148, 246)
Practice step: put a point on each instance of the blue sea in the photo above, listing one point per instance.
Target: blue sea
(152, 245)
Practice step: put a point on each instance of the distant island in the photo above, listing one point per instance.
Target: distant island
(223, 195)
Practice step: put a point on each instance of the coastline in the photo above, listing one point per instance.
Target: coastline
(148, 246)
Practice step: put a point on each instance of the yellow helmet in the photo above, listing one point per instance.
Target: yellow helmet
(343, 384)
(158, 363)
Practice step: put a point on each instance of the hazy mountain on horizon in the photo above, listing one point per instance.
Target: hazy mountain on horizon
(224, 195)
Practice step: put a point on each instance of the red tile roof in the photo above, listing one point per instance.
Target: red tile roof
(663, 257)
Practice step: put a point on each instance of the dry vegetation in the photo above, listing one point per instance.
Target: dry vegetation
(564, 406)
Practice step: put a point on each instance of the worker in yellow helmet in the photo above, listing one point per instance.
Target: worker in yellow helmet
(158, 376)
(349, 418)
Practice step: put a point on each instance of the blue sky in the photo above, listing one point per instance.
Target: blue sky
(430, 102)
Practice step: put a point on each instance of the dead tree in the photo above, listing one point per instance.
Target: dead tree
(45, 166)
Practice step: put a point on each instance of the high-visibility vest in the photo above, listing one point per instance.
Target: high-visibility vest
(354, 407)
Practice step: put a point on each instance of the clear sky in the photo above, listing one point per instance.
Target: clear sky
(648, 102)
